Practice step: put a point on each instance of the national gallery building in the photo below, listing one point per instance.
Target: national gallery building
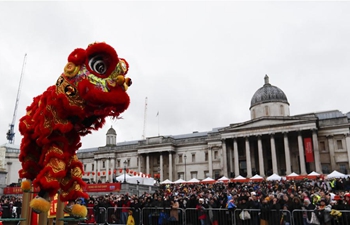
(272, 141)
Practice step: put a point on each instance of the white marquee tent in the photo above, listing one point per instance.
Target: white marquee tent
(223, 179)
(193, 180)
(179, 181)
(134, 179)
(274, 177)
(257, 177)
(208, 180)
(167, 181)
(335, 174)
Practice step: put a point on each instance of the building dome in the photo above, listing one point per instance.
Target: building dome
(268, 93)
(111, 137)
(111, 131)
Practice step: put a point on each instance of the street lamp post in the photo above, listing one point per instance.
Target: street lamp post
(125, 162)
(185, 166)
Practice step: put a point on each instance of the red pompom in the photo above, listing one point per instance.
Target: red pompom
(77, 57)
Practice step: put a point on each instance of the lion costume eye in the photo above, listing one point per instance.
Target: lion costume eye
(98, 64)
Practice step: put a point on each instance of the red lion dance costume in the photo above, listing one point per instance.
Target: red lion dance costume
(92, 87)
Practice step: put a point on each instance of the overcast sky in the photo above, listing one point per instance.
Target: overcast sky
(198, 63)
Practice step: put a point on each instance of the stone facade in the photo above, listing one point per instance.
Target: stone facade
(271, 142)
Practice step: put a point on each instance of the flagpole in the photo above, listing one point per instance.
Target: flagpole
(158, 123)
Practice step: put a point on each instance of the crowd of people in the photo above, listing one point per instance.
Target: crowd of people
(265, 203)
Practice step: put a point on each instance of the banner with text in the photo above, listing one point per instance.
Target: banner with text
(107, 187)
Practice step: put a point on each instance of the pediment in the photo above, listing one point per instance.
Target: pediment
(269, 122)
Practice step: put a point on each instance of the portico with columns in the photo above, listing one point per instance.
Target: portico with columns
(276, 148)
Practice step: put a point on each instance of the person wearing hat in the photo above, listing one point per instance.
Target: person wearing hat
(323, 212)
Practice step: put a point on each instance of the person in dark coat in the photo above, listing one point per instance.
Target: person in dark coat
(6, 209)
(264, 209)
(275, 214)
(243, 204)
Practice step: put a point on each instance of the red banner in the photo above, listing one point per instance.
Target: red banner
(308, 150)
(108, 187)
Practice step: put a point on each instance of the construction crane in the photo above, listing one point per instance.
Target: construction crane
(144, 121)
(10, 135)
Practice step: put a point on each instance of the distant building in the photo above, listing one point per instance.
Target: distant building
(273, 141)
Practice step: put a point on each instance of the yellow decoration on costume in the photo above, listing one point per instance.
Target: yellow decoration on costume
(79, 211)
(70, 70)
(40, 205)
(26, 185)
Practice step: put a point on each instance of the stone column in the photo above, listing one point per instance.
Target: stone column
(107, 170)
(261, 157)
(138, 163)
(318, 167)
(230, 158)
(247, 153)
(331, 151)
(235, 155)
(347, 140)
(301, 154)
(224, 158)
(9, 164)
(170, 166)
(161, 166)
(210, 159)
(147, 164)
(113, 168)
(95, 170)
(273, 154)
(287, 154)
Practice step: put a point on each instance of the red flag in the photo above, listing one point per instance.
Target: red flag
(308, 150)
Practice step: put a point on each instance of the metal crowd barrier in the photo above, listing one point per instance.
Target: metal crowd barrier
(262, 217)
(96, 215)
(162, 216)
(213, 216)
(337, 217)
(13, 212)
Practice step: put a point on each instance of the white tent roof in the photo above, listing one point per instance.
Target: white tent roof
(256, 177)
(167, 181)
(293, 175)
(239, 177)
(208, 179)
(179, 181)
(274, 177)
(193, 180)
(313, 173)
(135, 179)
(335, 174)
(121, 177)
(223, 178)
